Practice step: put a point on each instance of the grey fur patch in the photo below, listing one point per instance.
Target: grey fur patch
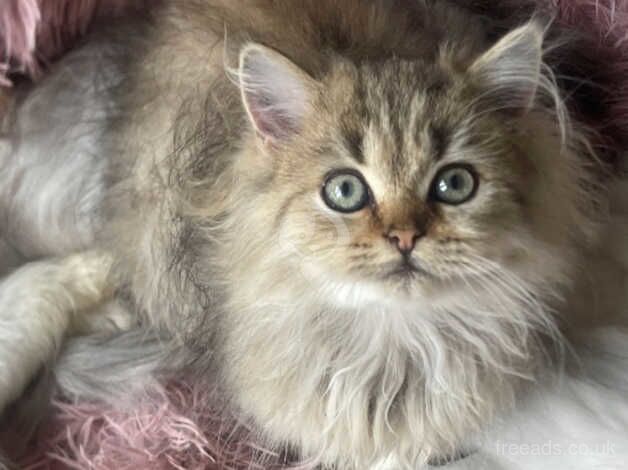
(103, 368)
(51, 163)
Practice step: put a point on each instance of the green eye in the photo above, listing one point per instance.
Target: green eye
(345, 191)
(455, 184)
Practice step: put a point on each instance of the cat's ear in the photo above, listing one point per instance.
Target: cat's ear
(276, 93)
(510, 72)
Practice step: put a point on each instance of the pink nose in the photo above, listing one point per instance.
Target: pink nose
(404, 240)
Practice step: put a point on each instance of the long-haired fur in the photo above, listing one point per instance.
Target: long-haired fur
(346, 374)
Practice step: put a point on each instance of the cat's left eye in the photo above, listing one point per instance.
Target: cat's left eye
(455, 184)
(345, 191)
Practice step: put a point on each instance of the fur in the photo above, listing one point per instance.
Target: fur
(60, 216)
(576, 422)
(477, 352)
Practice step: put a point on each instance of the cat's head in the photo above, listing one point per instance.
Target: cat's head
(413, 179)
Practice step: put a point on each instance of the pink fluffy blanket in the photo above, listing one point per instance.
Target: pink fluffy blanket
(178, 425)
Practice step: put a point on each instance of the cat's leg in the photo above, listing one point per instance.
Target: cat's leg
(39, 303)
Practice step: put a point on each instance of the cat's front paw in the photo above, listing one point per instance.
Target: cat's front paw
(39, 304)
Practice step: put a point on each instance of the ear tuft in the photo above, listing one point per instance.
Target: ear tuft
(510, 72)
(275, 92)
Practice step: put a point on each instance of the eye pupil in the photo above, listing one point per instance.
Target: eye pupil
(456, 182)
(346, 189)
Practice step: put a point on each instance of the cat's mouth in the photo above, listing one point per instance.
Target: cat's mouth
(406, 269)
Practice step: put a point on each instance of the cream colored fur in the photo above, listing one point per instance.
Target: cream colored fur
(40, 303)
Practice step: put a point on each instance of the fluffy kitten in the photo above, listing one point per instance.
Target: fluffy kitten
(397, 318)
(363, 227)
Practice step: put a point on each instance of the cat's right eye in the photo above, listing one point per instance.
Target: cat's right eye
(345, 191)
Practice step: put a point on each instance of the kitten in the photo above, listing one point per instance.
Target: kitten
(363, 227)
(368, 243)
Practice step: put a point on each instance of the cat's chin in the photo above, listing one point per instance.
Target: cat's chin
(403, 289)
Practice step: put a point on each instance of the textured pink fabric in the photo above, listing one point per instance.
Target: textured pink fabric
(177, 427)
(19, 20)
(181, 426)
(33, 32)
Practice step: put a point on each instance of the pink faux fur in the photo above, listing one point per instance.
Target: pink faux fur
(33, 32)
(180, 426)
(19, 20)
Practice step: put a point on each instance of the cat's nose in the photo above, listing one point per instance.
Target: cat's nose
(405, 239)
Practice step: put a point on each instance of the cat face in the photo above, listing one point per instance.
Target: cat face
(413, 180)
